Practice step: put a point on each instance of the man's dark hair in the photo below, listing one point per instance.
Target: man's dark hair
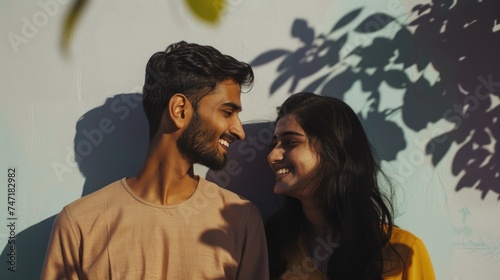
(191, 69)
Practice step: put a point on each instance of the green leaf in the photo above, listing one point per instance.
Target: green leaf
(207, 10)
(70, 22)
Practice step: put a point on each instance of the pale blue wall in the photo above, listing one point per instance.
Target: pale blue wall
(407, 81)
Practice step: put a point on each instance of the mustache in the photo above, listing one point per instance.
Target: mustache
(229, 136)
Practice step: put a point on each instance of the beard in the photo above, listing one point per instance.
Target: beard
(195, 144)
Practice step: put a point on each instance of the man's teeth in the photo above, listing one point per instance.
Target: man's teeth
(282, 171)
(224, 143)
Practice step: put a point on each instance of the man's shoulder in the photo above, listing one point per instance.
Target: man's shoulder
(235, 208)
(211, 189)
(96, 201)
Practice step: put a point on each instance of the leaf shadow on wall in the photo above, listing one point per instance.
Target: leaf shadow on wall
(459, 40)
(110, 143)
(226, 238)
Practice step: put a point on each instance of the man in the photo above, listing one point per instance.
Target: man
(165, 222)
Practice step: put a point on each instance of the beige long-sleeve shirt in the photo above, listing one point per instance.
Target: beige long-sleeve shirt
(114, 234)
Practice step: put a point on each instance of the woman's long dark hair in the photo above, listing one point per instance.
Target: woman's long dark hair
(347, 191)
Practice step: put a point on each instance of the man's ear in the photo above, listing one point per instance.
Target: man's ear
(179, 110)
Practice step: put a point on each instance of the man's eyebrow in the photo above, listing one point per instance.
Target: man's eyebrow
(233, 106)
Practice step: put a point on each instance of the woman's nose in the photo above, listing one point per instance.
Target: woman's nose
(275, 155)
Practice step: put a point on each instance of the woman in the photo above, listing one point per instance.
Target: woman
(335, 222)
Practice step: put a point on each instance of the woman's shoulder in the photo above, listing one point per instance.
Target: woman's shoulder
(397, 252)
(402, 236)
(404, 244)
(406, 250)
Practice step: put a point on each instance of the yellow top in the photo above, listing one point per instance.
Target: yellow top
(417, 262)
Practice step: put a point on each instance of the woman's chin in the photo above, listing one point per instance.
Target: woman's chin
(281, 189)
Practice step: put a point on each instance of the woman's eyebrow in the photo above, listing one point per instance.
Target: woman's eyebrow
(288, 133)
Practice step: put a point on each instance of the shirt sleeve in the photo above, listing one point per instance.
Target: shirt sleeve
(419, 265)
(254, 263)
(62, 257)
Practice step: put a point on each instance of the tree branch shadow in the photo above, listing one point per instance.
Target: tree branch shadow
(458, 40)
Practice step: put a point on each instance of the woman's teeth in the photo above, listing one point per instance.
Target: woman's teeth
(282, 171)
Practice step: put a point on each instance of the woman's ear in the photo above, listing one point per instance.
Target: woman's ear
(179, 110)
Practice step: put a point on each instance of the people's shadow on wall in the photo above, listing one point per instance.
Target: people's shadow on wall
(247, 172)
(30, 246)
(457, 39)
(110, 143)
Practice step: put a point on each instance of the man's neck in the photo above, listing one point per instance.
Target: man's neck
(166, 178)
